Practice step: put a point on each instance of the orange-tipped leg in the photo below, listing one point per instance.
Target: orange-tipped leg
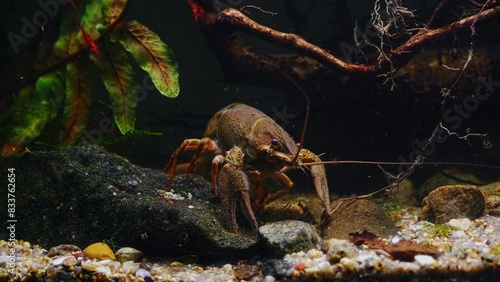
(196, 145)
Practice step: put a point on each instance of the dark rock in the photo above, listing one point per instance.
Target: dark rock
(82, 195)
(453, 201)
(492, 196)
(288, 236)
(352, 216)
(277, 211)
(405, 193)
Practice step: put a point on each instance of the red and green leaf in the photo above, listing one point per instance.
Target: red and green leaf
(152, 55)
(92, 18)
(118, 77)
(79, 90)
(67, 42)
(112, 9)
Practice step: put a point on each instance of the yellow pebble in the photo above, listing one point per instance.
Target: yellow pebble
(99, 251)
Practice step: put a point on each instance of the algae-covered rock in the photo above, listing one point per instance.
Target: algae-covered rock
(452, 202)
(492, 196)
(82, 195)
(352, 216)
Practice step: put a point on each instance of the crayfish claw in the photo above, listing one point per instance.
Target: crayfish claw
(233, 186)
(319, 177)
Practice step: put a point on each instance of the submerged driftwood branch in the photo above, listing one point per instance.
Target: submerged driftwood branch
(244, 65)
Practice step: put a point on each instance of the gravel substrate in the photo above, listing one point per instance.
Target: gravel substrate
(472, 254)
(463, 250)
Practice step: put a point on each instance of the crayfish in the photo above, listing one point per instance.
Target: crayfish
(246, 147)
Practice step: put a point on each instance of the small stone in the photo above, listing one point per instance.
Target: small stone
(338, 249)
(424, 260)
(458, 234)
(453, 201)
(69, 261)
(63, 250)
(90, 267)
(352, 216)
(350, 264)
(142, 273)
(269, 278)
(99, 251)
(288, 236)
(58, 261)
(127, 253)
(460, 224)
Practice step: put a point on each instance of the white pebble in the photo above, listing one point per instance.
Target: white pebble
(324, 266)
(58, 260)
(142, 273)
(395, 239)
(460, 224)
(457, 234)
(350, 263)
(424, 260)
(269, 278)
(104, 270)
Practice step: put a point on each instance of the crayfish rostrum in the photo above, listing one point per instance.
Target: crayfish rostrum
(245, 147)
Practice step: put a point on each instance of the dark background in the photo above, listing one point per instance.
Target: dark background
(358, 120)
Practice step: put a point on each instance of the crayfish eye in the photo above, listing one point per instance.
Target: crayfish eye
(275, 144)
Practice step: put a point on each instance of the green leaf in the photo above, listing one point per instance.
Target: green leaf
(111, 9)
(152, 55)
(33, 108)
(79, 90)
(118, 77)
(92, 18)
(67, 42)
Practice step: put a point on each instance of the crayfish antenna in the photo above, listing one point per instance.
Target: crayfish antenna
(306, 118)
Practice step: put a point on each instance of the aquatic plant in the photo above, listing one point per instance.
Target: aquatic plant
(92, 34)
(437, 230)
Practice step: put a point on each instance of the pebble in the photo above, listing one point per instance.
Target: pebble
(126, 253)
(99, 251)
(63, 250)
(424, 260)
(269, 278)
(460, 224)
